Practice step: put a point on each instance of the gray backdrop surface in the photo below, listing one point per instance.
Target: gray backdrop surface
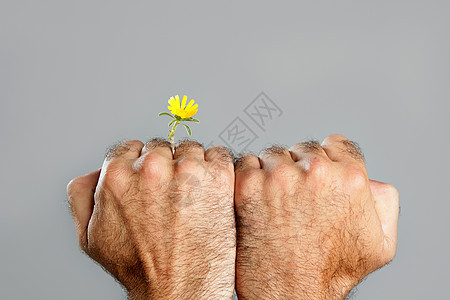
(77, 76)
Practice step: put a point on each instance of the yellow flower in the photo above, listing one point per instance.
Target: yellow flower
(182, 110)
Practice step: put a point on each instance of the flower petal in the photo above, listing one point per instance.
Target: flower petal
(190, 104)
(174, 103)
(193, 113)
(177, 102)
(183, 104)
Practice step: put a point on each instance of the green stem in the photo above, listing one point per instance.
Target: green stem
(172, 136)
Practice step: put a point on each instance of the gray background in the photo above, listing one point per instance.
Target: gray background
(76, 76)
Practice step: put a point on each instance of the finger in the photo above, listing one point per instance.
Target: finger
(219, 155)
(159, 146)
(275, 155)
(304, 150)
(340, 149)
(249, 177)
(127, 150)
(247, 162)
(189, 149)
(81, 200)
(386, 202)
(306, 153)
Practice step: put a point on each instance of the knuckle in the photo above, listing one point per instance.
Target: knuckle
(72, 186)
(221, 153)
(153, 158)
(186, 145)
(188, 165)
(336, 137)
(121, 148)
(311, 146)
(284, 171)
(319, 168)
(156, 142)
(243, 161)
(219, 148)
(353, 149)
(154, 167)
(116, 150)
(273, 151)
(357, 179)
(135, 143)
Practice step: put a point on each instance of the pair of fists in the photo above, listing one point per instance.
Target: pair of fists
(303, 223)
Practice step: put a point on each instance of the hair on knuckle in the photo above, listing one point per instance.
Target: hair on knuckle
(156, 142)
(239, 163)
(116, 149)
(242, 160)
(185, 144)
(311, 146)
(222, 154)
(274, 150)
(353, 149)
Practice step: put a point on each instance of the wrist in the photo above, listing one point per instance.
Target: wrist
(139, 294)
(192, 286)
(332, 288)
(203, 292)
(138, 288)
(313, 287)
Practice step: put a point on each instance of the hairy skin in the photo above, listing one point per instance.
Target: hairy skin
(163, 225)
(310, 223)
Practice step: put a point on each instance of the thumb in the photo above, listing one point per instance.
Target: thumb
(81, 200)
(386, 200)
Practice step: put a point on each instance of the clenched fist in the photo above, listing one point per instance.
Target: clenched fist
(161, 223)
(310, 223)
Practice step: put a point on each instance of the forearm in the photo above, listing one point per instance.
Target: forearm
(200, 281)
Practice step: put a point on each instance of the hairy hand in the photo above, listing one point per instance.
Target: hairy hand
(162, 224)
(310, 223)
